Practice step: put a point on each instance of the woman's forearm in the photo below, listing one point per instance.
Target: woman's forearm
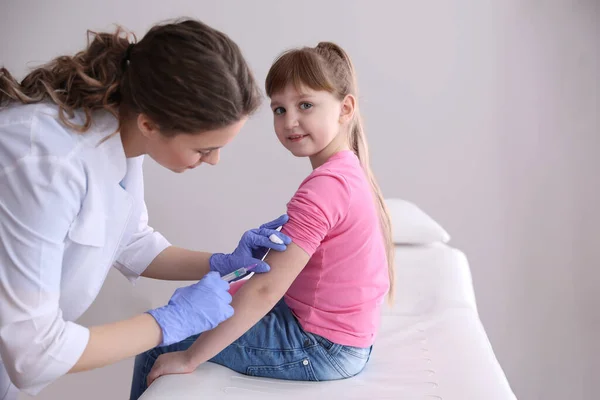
(117, 341)
(178, 264)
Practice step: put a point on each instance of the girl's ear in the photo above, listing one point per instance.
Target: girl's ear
(347, 109)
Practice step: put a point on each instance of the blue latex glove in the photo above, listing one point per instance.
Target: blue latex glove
(251, 248)
(260, 252)
(194, 309)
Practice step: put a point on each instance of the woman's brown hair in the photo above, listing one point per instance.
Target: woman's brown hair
(185, 76)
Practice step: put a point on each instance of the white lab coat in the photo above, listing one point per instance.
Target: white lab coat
(65, 220)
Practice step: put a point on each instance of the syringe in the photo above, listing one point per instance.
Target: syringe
(238, 272)
(244, 270)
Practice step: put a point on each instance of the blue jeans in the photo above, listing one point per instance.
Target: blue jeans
(276, 347)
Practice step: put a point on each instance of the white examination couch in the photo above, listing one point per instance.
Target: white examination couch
(431, 346)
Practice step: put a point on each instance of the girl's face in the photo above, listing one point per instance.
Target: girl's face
(310, 123)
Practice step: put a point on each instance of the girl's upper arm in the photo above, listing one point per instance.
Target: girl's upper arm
(317, 207)
(285, 267)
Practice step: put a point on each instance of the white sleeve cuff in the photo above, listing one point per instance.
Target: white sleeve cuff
(62, 359)
(136, 257)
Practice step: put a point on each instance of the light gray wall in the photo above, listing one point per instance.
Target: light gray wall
(485, 113)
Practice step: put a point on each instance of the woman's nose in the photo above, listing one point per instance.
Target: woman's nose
(213, 157)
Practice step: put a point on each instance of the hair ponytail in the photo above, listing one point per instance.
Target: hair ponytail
(90, 80)
(358, 144)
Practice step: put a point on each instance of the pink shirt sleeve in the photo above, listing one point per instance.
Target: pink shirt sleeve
(317, 206)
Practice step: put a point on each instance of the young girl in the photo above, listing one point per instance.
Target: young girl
(315, 315)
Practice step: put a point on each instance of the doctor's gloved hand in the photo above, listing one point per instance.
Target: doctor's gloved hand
(194, 309)
(271, 228)
(253, 245)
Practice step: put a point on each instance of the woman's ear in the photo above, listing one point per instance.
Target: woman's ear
(148, 128)
(348, 108)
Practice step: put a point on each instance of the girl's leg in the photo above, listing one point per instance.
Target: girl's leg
(275, 347)
(278, 347)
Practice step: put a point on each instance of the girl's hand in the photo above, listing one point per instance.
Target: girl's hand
(170, 363)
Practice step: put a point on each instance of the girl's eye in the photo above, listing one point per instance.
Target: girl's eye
(279, 110)
(305, 106)
(204, 153)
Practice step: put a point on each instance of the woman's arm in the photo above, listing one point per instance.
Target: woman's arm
(177, 264)
(117, 341)
(251, 302)
(192, 309)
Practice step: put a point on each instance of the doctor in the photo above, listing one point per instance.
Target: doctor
(73, 135)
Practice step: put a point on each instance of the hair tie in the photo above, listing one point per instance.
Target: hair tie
(127, 56)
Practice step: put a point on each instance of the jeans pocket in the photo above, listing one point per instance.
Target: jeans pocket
(347, 360)
(359, 352)
(300, 370)
(326, 344)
